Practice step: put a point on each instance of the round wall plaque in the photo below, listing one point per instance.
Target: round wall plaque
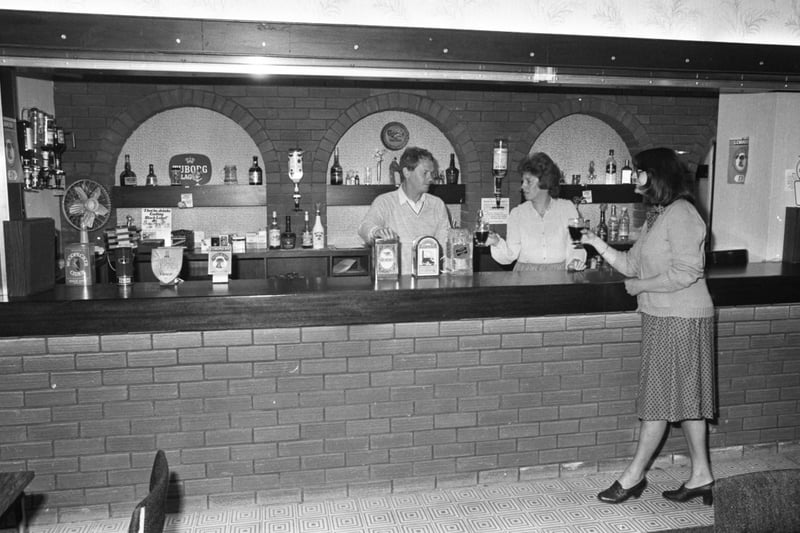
(394, 136)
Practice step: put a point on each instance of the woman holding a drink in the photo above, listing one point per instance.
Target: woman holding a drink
(665, 273)
(537, 235)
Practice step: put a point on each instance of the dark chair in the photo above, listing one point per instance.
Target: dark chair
(756, 502)
(149, 514)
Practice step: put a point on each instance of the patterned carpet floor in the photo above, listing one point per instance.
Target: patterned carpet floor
(565, 504)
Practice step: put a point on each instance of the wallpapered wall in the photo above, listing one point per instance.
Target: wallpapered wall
(752, 21)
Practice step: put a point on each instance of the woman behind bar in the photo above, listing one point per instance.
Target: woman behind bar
(676, 379)
(537, 237)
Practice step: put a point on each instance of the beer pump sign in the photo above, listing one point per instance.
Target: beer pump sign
(195, 169)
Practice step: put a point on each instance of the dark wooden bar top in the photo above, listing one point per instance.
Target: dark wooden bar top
(272, 303)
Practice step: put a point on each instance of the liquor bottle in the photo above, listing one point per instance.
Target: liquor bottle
(127, 177)
(611, 169)
(44, 171)
(288, 237)
(624, 225)
(626, 174)
(451, 172)
(336, 170)
(25, 134)
(613, 225)
(49, 132)
(318, 233)
(499, 159)
(306, 238)
(602, 229)
(274, 233)
(255, 176)
(151, 178)
(395, 172)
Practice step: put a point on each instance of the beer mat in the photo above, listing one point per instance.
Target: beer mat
(343, 266)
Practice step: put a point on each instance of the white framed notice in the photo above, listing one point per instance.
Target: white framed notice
(157, 224)
(494, 214)
(797, 193)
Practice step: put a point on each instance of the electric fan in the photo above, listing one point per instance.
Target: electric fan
(86, 206)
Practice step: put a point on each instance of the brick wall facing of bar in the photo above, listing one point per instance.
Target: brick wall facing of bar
(261, 416)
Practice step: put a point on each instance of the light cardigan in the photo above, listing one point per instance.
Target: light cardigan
(388, 211)
(672, 252)
(533, 238)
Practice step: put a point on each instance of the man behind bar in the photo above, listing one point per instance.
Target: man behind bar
(408, 212)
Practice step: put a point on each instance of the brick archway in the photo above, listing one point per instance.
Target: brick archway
(139, 111)
(429, 109)
(626, 125)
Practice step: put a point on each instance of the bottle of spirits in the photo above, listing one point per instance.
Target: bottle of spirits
(602, 229)
(318, 232)
(336, 169)
(306, 238)
(611, 169)
(288, 237)
(151, 178)
(274, 233)
(255, 175)
(395, 173)
(624, 225)
(500, 158)
(626, 174)
(127, 177)
(451, 172)
(613, 225)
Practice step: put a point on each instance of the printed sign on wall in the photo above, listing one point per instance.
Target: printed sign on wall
(737, 160)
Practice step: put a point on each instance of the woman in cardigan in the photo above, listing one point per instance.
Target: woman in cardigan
(665, 273)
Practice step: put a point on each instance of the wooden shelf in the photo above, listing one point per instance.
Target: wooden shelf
(202, 196)
(364, 194)
(603, 194)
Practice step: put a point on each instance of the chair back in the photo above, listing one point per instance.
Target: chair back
(149, 514)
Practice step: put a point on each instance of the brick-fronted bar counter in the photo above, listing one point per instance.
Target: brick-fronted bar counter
(281, 390)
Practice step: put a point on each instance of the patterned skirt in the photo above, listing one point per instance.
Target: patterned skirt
(677, 378)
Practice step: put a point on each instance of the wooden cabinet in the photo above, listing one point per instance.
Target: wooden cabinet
(262, 264)
(364, 194)
(202, 196)
(602, 194)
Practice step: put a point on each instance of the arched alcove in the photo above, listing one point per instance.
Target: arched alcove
(422, 115)
(361, 146)
(188, 130)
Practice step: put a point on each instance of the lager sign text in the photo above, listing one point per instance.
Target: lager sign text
(195, 168)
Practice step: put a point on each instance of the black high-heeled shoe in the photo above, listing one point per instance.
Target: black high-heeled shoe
(616, 494)
(683, 494)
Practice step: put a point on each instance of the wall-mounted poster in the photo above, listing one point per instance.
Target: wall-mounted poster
(13, 162)
(737, 160)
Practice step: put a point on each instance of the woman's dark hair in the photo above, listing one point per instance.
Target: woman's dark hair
(540, 165)
(668, 176)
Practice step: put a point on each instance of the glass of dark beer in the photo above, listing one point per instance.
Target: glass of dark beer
(575, 227)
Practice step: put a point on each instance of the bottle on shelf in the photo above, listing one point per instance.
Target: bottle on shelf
(255, 175)
(306, 238)
(274, 233)
(626, 174)
(613, 225)
(611, 169)
(624, 225)
(394, 172)
(336, 170)
(451, 172)
(602, 228)
(318, 232)
(151, 178)
(288, 237)
(127, 177)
